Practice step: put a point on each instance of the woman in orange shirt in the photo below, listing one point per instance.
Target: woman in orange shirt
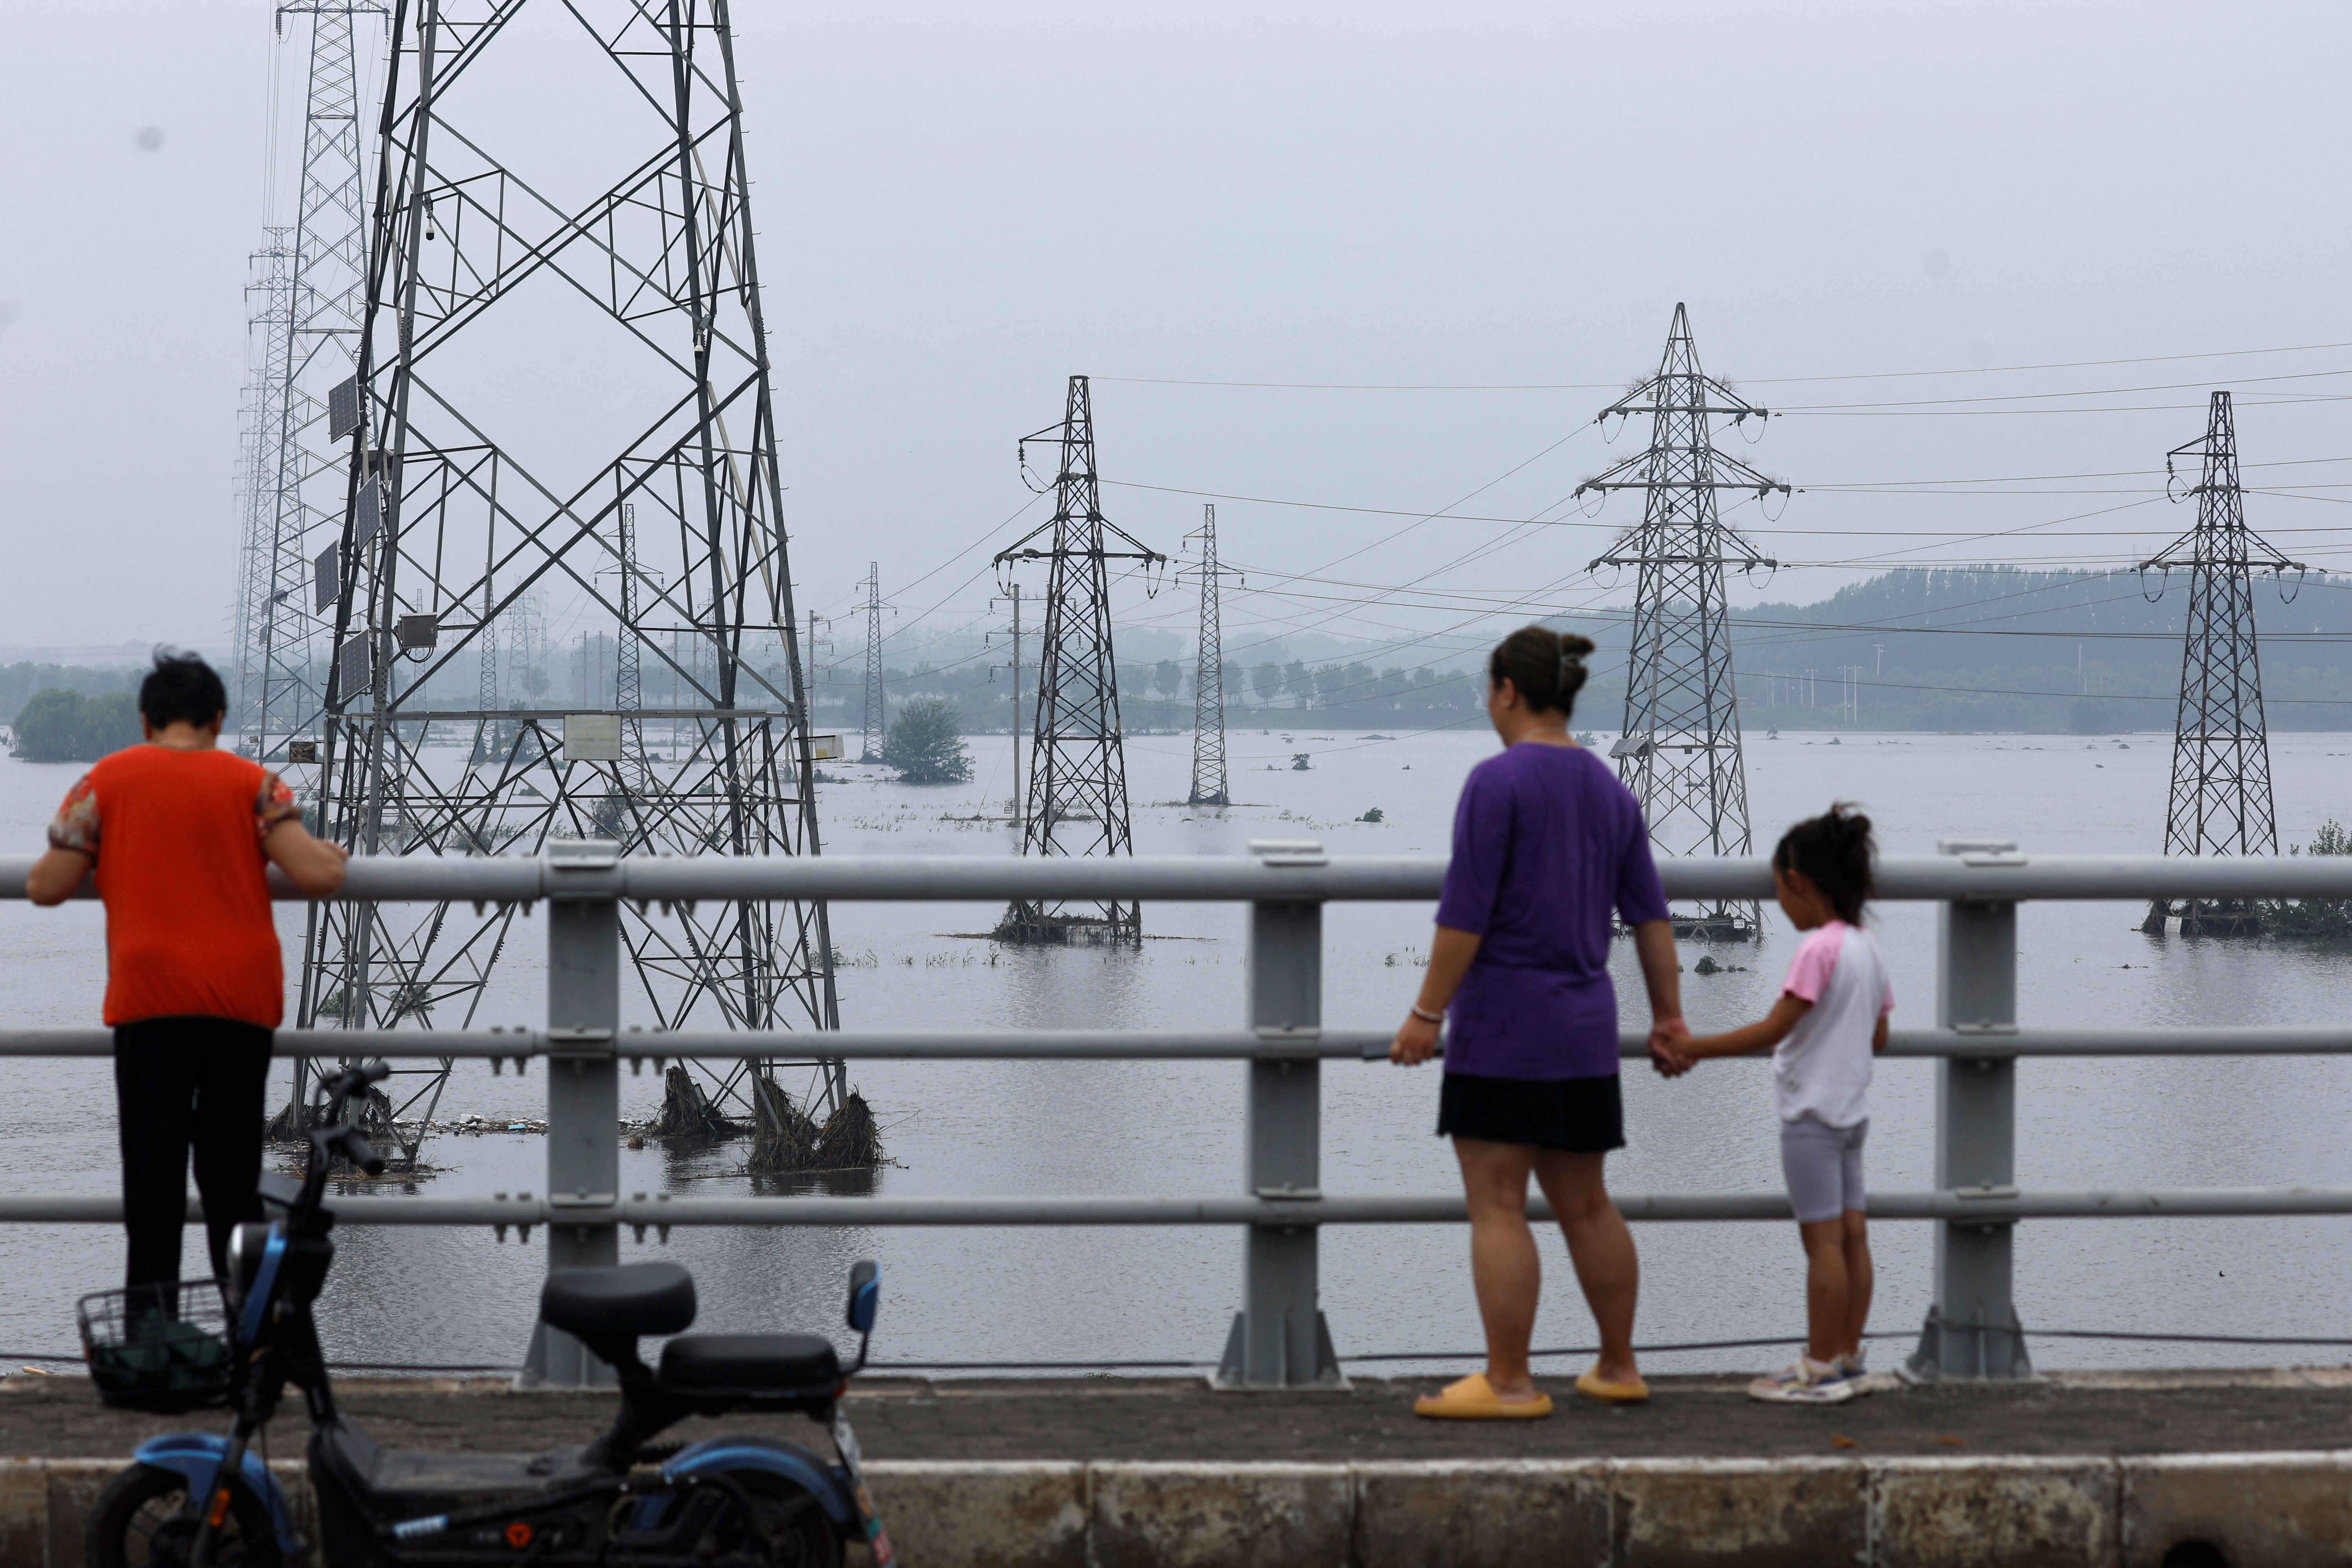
(179, 834)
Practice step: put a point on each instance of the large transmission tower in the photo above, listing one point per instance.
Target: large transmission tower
(877, 725)
(313, 286)
(259, 467)
(1078, 761)
(567, 398)
(1209, 678)
(2221, 801)
(314, 290)
(1680, 751)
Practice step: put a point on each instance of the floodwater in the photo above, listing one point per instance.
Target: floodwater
(1104, 1295)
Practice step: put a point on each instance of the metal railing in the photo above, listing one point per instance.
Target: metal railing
(1277, 1337)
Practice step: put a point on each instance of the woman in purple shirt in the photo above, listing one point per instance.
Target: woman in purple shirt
(1546, 844)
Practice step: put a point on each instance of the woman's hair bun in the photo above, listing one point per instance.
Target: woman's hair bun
(1545, 666)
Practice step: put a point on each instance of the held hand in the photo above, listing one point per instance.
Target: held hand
(1665, 1035)
(1415, 1042)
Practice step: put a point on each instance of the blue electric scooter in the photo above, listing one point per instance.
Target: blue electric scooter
(204, 1500)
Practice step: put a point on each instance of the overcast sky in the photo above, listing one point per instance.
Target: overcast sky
(958, 207)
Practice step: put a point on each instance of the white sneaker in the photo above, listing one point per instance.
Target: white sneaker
(1850, 1368)
(1803, 1381)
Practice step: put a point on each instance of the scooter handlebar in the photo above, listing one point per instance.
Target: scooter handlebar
(352, 1079)
(352, 1145)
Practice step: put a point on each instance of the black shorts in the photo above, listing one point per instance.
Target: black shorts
(1575, 1115)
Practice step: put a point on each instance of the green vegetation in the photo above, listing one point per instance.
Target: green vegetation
(64, 726)
(925, 744)
(2313, 917)
(20, 681)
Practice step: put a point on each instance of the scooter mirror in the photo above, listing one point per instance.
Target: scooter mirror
(865, 1295)
(247, 1244)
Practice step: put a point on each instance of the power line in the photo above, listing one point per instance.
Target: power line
(1865, 411)
(2040, 396)
(1752, 380)
(1743, 623)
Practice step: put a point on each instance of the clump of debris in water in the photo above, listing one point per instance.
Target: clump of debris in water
(785, 1139)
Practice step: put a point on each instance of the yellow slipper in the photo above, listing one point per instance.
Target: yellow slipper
(1473, 1399)
(1601, 1390)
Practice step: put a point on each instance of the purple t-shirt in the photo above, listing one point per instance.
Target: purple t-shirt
(1545, 841)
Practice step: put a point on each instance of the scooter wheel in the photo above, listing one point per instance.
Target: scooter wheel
(142, 1521)
(797, 1531)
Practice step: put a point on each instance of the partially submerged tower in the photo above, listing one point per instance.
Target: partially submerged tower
(566, 407)
(874, 723)
(1209, 678)
(1076, 800)
(1680, 751)
(2221, 800)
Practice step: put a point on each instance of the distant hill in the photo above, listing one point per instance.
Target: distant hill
(1980, 647)
(1999, 648)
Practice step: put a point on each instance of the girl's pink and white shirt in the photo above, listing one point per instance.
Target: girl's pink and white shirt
(1822, 1068)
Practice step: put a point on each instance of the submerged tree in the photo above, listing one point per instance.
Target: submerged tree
(2313, 917)
(925, 744)
(62, 726)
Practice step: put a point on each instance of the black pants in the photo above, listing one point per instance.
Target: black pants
(178, 1083)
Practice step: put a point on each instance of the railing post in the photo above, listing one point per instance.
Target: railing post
(1278, 1338)
(1972, 1329)
(583, 1088)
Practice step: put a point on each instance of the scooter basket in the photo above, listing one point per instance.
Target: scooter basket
(159, 1347)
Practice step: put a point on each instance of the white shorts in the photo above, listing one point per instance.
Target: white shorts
(1822, 1166)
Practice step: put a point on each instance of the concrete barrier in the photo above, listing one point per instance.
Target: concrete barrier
(2251, 1511)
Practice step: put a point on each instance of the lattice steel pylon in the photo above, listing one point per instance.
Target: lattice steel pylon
(1077, 758)
(314, 290)
(2220, 799)
(547, 348)
(1209, 678)
(259, 467)
(1680, 751)
(877, 713)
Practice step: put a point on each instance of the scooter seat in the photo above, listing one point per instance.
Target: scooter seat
(628, 1300)
(749, 1364)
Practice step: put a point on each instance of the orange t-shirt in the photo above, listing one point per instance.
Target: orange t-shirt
(177, 839)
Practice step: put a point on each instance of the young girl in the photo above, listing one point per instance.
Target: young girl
(1830, 1019)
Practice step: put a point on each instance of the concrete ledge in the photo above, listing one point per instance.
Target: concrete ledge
(2024, 1512)
(949, 1514)
(2281, 1511)
(2257, 1510)
(1458, 1513)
